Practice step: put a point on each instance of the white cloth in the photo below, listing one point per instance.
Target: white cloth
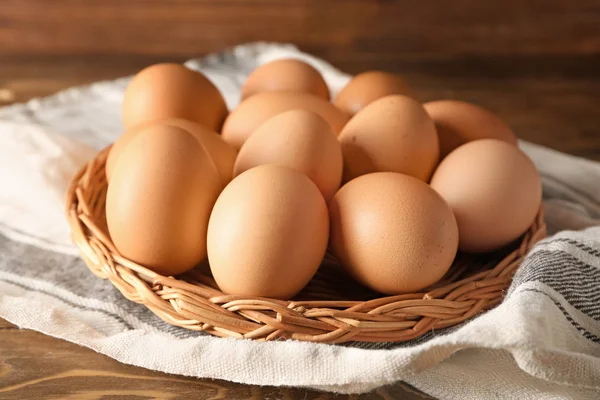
(543, 341)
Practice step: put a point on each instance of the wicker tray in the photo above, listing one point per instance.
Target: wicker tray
(332, 308)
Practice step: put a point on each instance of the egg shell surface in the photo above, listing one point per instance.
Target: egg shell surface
(369, 86)
(298, 139)
(159, 199)
(268, 233)
(172, 91)
(285, 75)
(494, 190)
(459, 122)
(392, 134)
(392, 232)
(256, 110)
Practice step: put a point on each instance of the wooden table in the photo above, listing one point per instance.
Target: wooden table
(35, 366)
(536, 64)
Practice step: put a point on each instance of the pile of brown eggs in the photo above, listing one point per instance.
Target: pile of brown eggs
(394, 188)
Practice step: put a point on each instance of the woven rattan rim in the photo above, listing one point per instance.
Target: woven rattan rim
(194, 302)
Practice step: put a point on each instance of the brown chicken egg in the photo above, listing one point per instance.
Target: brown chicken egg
(392, 134)
(392, 232)
(254, 111)
(494, 191)
(172, 91)
(459, 122)
(285, 75)
(298, 139)
(369, 86)
(267, 233)
(159, 199)
(221, 153)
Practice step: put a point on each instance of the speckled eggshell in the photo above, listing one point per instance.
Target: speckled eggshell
(459, 122)
(256, 110)
(221, 153)
(159, 199)
(172, 91)
(369, 86)
(298, 139)
(285, 75)
(267, 233)
(494, 191)
(392, 232)
(392, 134)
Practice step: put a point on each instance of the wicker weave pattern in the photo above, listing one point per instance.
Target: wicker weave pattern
(194, 302)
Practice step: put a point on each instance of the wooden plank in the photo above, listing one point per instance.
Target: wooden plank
(33, 366)
(325, 27)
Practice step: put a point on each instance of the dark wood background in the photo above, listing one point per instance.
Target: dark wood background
(534, 62)
(385, 30)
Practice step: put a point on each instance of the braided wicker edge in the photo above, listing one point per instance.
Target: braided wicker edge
(197, 304)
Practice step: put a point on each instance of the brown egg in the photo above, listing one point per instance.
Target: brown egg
(159, 199)
(267, 233)
(392, 232)
(172, 91)
(493, 189)
(301, 140)
(221, 153)
(285, 75)
(253, 112)
(392, 134)
(458, 122)
(369, 86)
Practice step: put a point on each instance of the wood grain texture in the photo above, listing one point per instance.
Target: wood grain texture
(35, 366)
(326, 27)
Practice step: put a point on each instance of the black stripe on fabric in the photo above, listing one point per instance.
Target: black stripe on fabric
(567, 280)
(566, 276)
(595, 315)
(579, 245)
(580, 329)
(70, 303)
(562, 263)
(568, 283)
(559, 273)
(595, 307)
(577, 282)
